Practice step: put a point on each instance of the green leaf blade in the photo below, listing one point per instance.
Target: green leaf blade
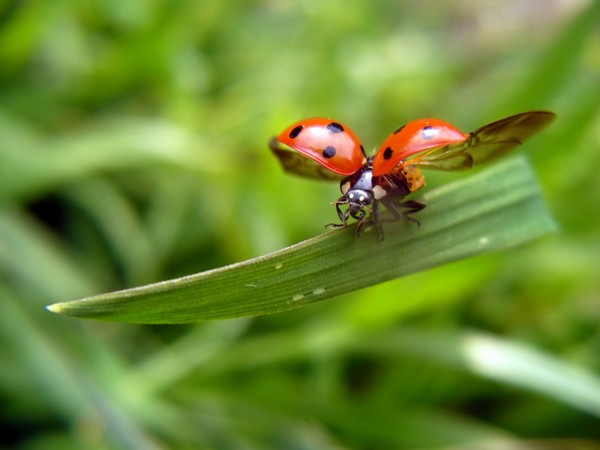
(492, 210)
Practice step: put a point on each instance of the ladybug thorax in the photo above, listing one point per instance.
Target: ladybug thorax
(361, 187)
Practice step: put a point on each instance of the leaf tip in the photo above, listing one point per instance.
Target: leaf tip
(56, 308)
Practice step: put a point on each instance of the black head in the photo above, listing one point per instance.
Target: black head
(357, 200)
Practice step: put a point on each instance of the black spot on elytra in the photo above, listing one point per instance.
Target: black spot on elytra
(329, 152)
(335, 127)
(387, 153)
(399, 129)
(296, 131)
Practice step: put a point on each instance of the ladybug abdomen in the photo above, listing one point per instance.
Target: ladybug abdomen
(414, 178)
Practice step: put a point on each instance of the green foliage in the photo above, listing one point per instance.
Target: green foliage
(133, 150)
(496, 209)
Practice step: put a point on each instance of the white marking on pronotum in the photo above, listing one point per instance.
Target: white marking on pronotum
(297, 297)
(379, 192)
(319, 291)
(278, 266)
(346, 187)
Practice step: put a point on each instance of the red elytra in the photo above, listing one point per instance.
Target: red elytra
(330, 143)
(393, 172)
(412, 138)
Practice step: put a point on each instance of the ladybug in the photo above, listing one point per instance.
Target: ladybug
(327, 149)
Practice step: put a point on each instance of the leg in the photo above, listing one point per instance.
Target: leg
(411, 207)
(403, 210)
(343, 215)
(373, 218)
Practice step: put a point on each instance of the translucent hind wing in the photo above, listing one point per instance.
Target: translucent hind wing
(485, 144)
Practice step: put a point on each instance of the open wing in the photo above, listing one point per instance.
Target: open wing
(298, 164)
(484, 144)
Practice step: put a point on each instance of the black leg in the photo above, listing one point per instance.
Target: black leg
(376, 220)
(403, 210)
(343, 215)
(362, 220)
(411, 207)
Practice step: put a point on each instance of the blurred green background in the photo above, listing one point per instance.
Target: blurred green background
(133, 149)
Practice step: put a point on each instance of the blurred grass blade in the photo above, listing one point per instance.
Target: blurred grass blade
(32, 163)
(491, 210)
(516, 364)
(503, 360)
(557, 67)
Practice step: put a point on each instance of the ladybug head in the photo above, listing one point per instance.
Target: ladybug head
(358, 194)
(357, 200)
